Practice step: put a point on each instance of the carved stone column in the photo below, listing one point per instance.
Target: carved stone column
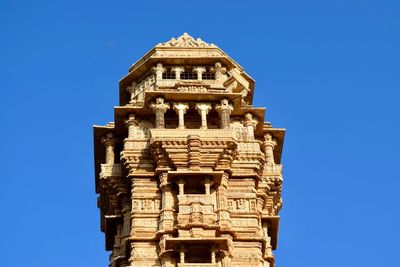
(159, 70)
(178, 71)
(109, 141)
(224, 111)
(207, 185)
(181, 108)
(182, 252)
(213, 250)
(131, 124)
(199, 71)
(159, 108)
(219, 71)
(250, 122)
(181, 185)
(268, 147)
(203, 109)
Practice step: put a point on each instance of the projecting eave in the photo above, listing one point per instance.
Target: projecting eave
(180, 56)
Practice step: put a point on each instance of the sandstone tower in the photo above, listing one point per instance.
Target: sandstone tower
(189, 173)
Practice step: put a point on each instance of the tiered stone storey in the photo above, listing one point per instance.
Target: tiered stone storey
(188, 175)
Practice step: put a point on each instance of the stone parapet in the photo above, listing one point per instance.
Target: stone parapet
(199, 264)
(110, 170)
(184, 133)
(273, 169)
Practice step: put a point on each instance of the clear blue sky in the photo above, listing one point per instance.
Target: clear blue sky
(328, 72)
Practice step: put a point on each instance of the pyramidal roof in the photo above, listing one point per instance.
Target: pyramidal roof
(186, 41)
(184, 50)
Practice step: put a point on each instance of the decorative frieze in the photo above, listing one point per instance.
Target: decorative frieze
(192, 89)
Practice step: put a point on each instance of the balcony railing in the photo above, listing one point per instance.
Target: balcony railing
(199, 264)
(273, 168)
(108, 170)
(184, 133)
(197, 198)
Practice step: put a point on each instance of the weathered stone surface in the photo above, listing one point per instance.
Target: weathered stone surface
(188, 175)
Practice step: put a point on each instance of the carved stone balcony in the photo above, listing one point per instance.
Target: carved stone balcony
(199, 264)
(150, 83)
(193, 149)
(178, 83)
(202, 133)
(110, 170)
(202, 199)
(196, 209)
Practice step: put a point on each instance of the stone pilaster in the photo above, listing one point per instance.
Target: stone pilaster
(224, 111)
(222, 203)
(167, 202)
(181, 108)
(203, 109)
(159, 108)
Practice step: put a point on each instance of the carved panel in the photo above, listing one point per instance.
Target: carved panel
(149, 205)
(242, 205)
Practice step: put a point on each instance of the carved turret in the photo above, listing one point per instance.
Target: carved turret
(188, 175)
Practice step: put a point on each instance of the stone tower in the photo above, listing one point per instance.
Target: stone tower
(189, 173)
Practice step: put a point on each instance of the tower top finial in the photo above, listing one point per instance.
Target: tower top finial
(186, 41)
